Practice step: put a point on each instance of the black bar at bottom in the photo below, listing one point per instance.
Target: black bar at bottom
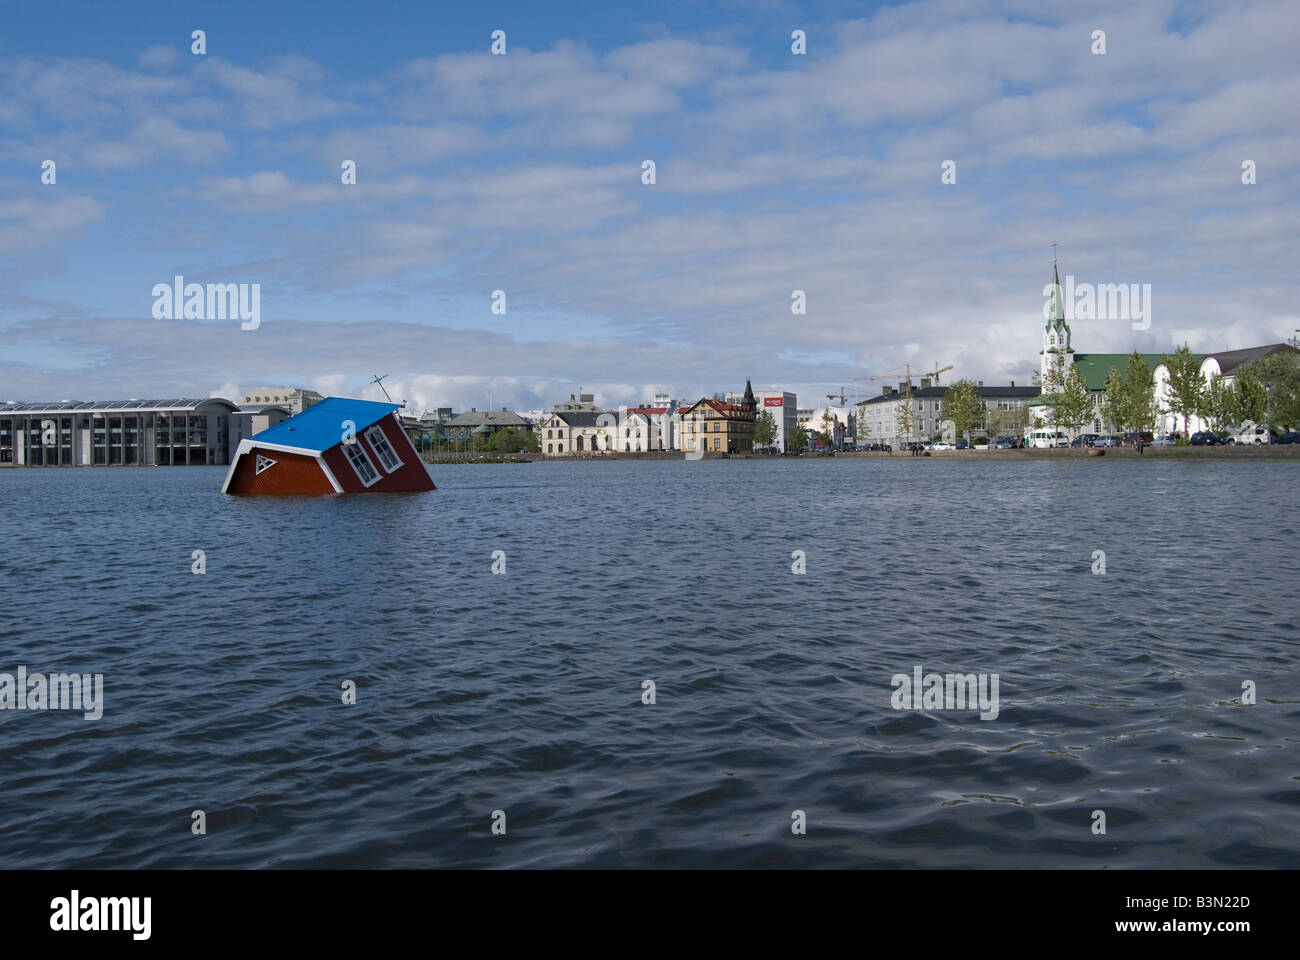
(946, 909)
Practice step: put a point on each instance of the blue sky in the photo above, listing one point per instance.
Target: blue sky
(522, 172)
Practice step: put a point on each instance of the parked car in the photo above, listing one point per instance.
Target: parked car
(1204, 438)
(940, 445)
(1291, 436)
(962, 445)
(1251, 435)
(1164, 440)
(1005, 443)
(1106, 440)
(1131, 439)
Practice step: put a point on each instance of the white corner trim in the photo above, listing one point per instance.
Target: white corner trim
(338, 488)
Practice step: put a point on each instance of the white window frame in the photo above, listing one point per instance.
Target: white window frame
(347, 447)
(388, 443)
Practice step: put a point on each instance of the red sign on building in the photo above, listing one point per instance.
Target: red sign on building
(774, 401)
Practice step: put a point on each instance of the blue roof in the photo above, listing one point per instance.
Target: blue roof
(321, 425)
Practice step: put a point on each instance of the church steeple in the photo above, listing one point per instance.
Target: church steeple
(1056, 332)
(1056, 314)
(749, 400)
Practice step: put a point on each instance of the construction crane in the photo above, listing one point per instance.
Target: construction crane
(908, 375)
(841, 396)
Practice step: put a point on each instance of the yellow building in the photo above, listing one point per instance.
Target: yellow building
(718, 427)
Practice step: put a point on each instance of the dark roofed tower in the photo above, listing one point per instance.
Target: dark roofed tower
(749, 402)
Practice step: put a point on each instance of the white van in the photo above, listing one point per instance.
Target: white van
(1046, 438)
(1250, 434)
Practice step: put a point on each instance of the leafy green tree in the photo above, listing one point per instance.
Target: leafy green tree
(1054, 381)
(1218, 402)
(962, 405)
(1072, 404)
(1115, 406)
(1186, 388)
(1140, 389)
(798, 438)
(1009, 423)
(1248, 400)
(510, 440)
(905, 414)
(1281, 372)
(764, 430)
(828, 431)
(1077, 403)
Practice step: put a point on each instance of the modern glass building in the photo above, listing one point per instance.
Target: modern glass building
(117, 432)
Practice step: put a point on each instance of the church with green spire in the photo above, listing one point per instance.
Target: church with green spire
(1056, 334)
(1094, 368)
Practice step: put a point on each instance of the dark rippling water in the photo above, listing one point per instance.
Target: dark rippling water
(522, 692)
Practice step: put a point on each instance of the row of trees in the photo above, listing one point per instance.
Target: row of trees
(500, 442)
(1267, 389)
(1129, 402)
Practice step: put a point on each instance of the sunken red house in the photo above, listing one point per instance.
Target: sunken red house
(334, 446)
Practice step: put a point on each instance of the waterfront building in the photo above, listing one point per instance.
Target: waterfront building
(577, 433)
(428, 428)
(879, 419)
(295, 398)
(642, 429)
(715, 426)
(169, 432)
(784, 408)
(836, 425)
(337, 445)
(483, 423)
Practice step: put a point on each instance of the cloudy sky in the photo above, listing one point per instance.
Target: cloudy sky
(775, 172)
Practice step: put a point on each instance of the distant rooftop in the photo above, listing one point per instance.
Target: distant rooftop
(95, 406)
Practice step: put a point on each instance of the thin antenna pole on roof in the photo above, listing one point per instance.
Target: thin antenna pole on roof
(380, 380)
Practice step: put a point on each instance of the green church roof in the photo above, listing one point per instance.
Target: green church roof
(1095, 367)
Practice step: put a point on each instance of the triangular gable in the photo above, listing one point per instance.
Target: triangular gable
(263, 464)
